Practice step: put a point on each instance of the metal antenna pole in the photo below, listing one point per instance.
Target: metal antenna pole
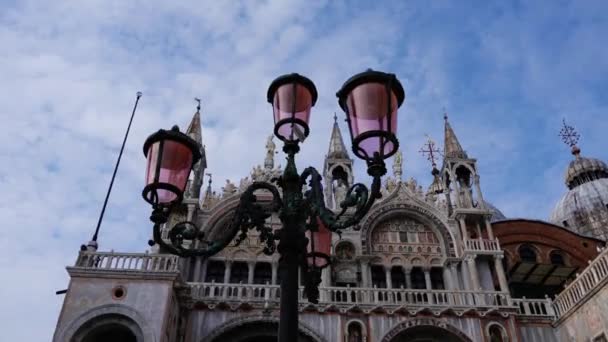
(122, 148)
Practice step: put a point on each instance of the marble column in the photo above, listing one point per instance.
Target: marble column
(275, 267)
(408, 277)
(389, 281)
(227, 272)
(455, 276)
(489, 228)
(200, 271)
(478, 190)
(447, 278)
(463, 228)
(500, 273)
(251, 270)
(427, 278)
(475, 285)
(365, 273)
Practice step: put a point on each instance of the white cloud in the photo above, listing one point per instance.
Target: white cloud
(71, 69)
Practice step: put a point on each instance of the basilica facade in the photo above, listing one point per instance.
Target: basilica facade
(434, 264)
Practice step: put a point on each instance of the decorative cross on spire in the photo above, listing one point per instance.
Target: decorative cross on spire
(568, 134)
(445, 114)
(335, 117)
(198, 107)
(430, 151)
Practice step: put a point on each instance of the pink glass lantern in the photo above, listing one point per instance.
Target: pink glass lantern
(292, 96)
(319, 245)
(171, 155)
(370, 100)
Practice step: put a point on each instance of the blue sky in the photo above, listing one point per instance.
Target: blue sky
(507, 73)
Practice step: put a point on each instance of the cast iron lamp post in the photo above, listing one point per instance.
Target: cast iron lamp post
(370, 101)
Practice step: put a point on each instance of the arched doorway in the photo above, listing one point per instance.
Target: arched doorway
(253, 331)
(425, 330)
(112, 327)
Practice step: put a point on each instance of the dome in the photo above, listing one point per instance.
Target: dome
(582, 170)
(584, 209)
(497, 215)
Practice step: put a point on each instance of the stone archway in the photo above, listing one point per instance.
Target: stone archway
(256, 329)
(392, 211)
(425, 330)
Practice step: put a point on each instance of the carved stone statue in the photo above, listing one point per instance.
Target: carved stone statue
(228, 189)
(397, 164)
(391, 184)
(257, 173)
(339, 192)
(270, 150)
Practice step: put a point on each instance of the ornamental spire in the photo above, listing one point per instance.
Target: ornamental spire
(570, 137)
(430, 151)
(451, 146)
(337, 149)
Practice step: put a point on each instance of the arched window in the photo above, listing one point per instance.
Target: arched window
(397, 277)
(527, 254)
(378, 276)
(497, 333)
(354, 332)
(557, 258)
(345, 251)
(262, 273)
(418, 281)
(239, 272)
(437, 278)
(215, 272)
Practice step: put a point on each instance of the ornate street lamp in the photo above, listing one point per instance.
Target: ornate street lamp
(370, 101)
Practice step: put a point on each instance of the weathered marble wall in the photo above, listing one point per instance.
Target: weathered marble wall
(331, 326)
(145, 301)
(537, 333)
(588, 321)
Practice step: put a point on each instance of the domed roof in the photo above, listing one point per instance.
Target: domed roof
(583, 169)
(497, 215)
(584, 209)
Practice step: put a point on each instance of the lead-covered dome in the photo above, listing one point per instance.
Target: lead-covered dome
(584, 209)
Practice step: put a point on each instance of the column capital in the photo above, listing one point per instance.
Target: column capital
(470, 257)
(499, 256)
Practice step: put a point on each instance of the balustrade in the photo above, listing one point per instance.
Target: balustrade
(128, 261)
(534, 307)
(354, 295)
(482, 245)
(585, 283)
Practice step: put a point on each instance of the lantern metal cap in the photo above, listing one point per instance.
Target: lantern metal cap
(370, 76)
(175, 135)
(292, 78)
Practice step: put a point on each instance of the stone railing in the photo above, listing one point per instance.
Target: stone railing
(584, 284)
(482, 245)
(140, 262)
(534, 307)
(352, 295)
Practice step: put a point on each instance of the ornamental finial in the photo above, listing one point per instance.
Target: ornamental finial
(430, 151)
(570, 137)
(198, 106)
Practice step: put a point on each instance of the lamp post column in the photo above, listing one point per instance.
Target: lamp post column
(292, 245)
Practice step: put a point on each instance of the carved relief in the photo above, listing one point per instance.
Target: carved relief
(405, 236)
